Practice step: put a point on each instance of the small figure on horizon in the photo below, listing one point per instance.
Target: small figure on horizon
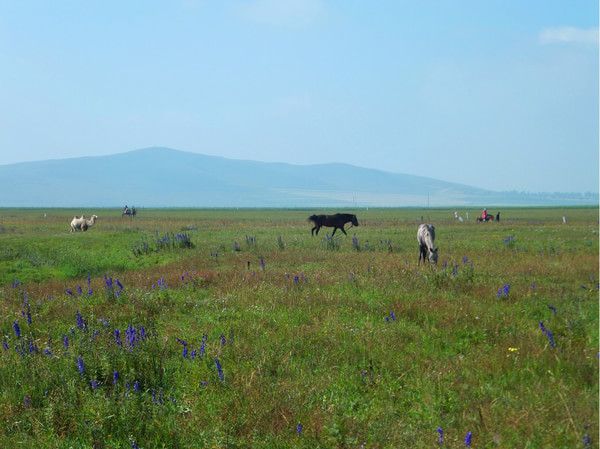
(498, 216)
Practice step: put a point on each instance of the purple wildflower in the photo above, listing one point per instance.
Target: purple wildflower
(80, 365)
(69, 292)
(17, 329)
(219, 370)
(203, 345)
(5, 345)
(142, 333)
(299, 428)
(66, 342)
(587, 441)
(118, 337)
(47, 352)
(203, 383)
(16, 283)
(115, 377)
(136, 386)
(79, 290)
(465, 260)
(468, 438)
(80, 321)
(94, 384)
(134, 445)
(130, 334)
(393, 316)
(440, 432)
(119, 284)
(32, 347)
(28, 316)
(27, 401)
(296, 279)
(506, 289)
(223, 340)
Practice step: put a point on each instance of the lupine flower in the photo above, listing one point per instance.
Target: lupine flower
(299, 428)
(119, 284)
(69, 292)
(134, 445)
(203, 345)
(28, 316)
(27, 401)
(393, 315)
(223, 340)
(32, 347)
(80, 365)
(465, 260)
(136, 386)
(468, 437)
(16, 283)
(587, 441)
(5, 345)
(130, 334)
(185, 347)
(66, 342)
(115, 377)
(549, 335)
(296, 279)
(80, 321)
(47, 352)
(203, 383)
(506, 289)
(142, 333)
(79, 290)
(440, 432)
(455, 270)
(17, 329)
(94, 384)
(219, 370)
(118, 337)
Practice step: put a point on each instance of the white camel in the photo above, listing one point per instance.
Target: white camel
(82, 223)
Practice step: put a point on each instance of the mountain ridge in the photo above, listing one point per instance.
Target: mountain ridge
(165, 177)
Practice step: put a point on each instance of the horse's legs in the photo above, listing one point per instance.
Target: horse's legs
(342, 229)
(333, 233)
(312, 231)
(318, 229)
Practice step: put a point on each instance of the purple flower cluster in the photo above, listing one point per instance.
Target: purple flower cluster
(503, 291)
(549, 335)
(391, 317)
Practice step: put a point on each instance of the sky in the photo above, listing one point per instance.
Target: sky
(495, 94)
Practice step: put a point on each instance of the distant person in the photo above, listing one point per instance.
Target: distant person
(498, 216)
(564, 220)
(484, 215)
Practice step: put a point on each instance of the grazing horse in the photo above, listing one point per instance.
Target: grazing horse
(336, 221)
(426, 239)
(130, 211)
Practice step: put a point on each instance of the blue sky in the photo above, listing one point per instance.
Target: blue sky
(496, 94)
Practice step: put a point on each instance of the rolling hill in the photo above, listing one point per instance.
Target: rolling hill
(163, 177)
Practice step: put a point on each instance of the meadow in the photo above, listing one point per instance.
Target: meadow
(237, 329)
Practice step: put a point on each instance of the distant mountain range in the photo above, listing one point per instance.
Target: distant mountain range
(163, 177)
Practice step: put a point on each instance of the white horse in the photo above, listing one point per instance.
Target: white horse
(426, 239)
(82, 224)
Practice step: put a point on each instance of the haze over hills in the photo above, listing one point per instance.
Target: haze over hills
(163, 177)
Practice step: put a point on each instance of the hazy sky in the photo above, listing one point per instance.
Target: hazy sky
(498, 94)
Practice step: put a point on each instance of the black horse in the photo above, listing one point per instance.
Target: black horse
(129, 211)
(336, 221)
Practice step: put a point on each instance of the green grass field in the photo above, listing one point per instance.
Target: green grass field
(321, 344)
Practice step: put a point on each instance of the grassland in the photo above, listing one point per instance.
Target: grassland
(350, 339)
